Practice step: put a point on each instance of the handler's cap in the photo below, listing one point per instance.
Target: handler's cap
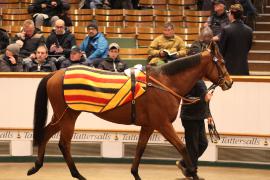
(75, 49)
(93, 24)
(114, 45)
(219, 2)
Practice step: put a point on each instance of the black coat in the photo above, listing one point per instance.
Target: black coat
(4, 40)
(66, 63)
(199, 110)
(61, 7)
(116, 65)
(33, 66)
(7, 66)
(66, 41)
(236, 41)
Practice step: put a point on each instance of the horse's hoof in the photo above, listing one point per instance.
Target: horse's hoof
(31, 171)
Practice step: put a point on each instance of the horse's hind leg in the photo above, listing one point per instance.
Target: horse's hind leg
(145, 134)
(65, 141)
(49, 131)
(169, 133)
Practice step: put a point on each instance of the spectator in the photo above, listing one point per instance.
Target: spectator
(205, 38)
(218, 20)
(94, 4)
(4, 40)
(94, 45)
(168, 42)
(76, 58)
(113, 62)
(46, 12)
(60, 40)
(250, 12)
(121, 4)
(207, 5)
(236, 41)
(29, 39)
(10, 62)
(41, 63)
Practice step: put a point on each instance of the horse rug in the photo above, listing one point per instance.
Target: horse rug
(94, 90)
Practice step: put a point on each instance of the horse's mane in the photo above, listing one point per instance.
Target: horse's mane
(180, 64)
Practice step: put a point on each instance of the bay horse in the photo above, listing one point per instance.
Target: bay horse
(156, 109)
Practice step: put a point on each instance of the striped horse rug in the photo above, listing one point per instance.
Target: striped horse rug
(94, 90)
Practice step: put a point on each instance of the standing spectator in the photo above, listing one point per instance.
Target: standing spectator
(46, 12)
(219, 19)
(4, 40)
(94, 45)
(29, 39)
(76, 58)
(164, 44)
(41, 63)
(60, 40)
(113, 62)
(236, 41)
(250, 12)
(10, 62)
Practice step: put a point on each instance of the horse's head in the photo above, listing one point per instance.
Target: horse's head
(217, 72)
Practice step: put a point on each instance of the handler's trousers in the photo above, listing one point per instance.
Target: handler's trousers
(196, 140)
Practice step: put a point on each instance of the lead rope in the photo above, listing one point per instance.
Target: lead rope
(189, 101)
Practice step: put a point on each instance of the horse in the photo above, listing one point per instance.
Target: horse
(156, 109)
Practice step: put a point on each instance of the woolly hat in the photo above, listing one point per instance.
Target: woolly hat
(14, 48)
(93, 24)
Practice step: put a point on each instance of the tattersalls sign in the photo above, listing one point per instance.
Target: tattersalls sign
(156, 138)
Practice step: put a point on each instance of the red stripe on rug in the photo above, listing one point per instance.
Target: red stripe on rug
(79, 98)
(96, 79)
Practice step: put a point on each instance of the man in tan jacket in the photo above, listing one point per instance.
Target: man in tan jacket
(166, 47)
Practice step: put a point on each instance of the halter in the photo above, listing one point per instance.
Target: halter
(221, 74)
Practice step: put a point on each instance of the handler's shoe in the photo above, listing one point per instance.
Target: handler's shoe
(183, 169)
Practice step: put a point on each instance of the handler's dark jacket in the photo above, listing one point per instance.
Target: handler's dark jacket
(66, 41)
(199, 110)
(7, 66)
(66, 63)
(30, 44)
(116, 65)
(33, 66)
(236, 41)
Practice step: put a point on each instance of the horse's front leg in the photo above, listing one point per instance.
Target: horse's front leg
(145, 134)
(169, 133)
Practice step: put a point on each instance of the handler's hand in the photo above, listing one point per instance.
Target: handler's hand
(209, 120)
(208, 96)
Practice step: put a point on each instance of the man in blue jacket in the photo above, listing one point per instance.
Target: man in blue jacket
(94, 45)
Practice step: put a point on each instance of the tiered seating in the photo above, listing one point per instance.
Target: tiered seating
(14, 16)
(180, 5)
(9, 3)
(109, 18)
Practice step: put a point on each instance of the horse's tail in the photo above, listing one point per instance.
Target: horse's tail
(41, 111)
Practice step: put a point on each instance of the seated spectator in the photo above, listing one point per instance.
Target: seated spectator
(41, 63)
(218, 19)
(121, 4)
(4, 40)
(46, 12)
(10, 62)
(29, 39)
(60, 41)
(205, 37)
(94, 4)
(168, 42)
(76, 58)
(113, 62)
(94, 45)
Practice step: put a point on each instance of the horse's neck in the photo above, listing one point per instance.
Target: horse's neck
(185, 80)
